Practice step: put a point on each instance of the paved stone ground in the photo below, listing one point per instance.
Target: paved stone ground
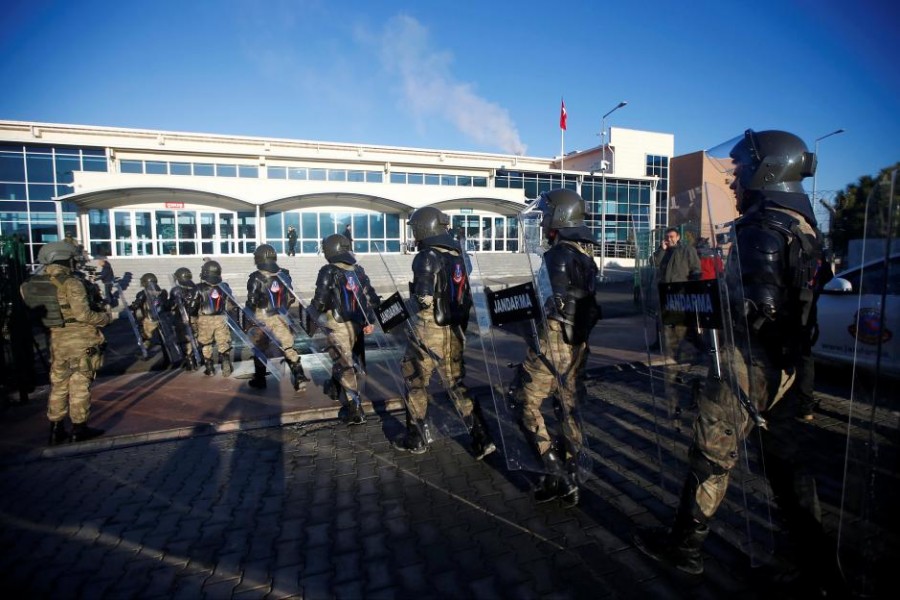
(319, 510)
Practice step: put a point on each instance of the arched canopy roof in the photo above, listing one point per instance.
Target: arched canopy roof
(502, 207)
(340, 199)
(123, 197)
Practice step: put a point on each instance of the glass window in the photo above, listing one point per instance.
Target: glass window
(12, 166)
(356, 176)
(12, 191)
(131, 166)
(374, 177)
(96, 164)
(226, 233)
(360, 226)
(310, 229)
(298, 173)
(187, 224)
(40, 168)
(122, 225)
(317, 175)
(207, 226)
(398, 177)
(98, 224)
(180, 168)
(415, 178)
(337, 175)
(246, 222)
(42, 207)
(248, 171)
(326, 224)
(432, 179)
(165, 225)
(156, 167)
(40, 192)
(204, 169)
(226, 170)
(376, 226)
(479, 182)
(464, 180)
(142, 228)
(276, 172)
(309, 247)
(273, 226)
(66, 167)
(448, 180)
(392, 226)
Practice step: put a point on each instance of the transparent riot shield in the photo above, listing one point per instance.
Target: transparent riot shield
(125, 303)
(744, 382)
(156, 305)
(242, 317)
(859, 316)
(559, 419)
(444, 417)
(520, 305)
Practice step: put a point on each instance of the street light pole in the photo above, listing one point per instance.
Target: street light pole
(816, 152)
(603, 166)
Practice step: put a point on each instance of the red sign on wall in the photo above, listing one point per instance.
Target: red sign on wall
(174, 204)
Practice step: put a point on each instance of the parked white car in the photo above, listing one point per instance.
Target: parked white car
(849, 320)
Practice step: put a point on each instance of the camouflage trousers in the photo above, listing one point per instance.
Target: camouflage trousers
(212, 329)
(342, 339)
(565, 382)
(278, 327)
(75, 356)
(445, 354)
(723, 424)
(181, 330)
(148, 328)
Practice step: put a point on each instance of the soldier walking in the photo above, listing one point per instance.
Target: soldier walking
(210, 305)
(183, 296)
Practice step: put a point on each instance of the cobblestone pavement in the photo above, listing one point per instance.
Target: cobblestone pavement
(320, 510)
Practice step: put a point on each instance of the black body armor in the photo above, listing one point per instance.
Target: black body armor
(347, 293)
(573, 276)
(142, 302)
(267, 291)
(187, 295)
(208, 300)
(443, 276)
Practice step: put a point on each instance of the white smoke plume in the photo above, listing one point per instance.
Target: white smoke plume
(430, 90)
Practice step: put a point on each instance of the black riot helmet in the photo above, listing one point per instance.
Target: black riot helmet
(563, 212)
(772, 161)
(211, 273)
(427, 222)
(265, 256)
(149, 278)
(338, 248)
(60, 253)
(184, 277)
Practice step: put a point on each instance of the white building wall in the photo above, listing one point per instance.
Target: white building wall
(633, 146)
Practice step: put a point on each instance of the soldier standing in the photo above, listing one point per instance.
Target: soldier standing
(146, 315)
(210, 305)
(76, 343)
(345, 303)
(557, 370)
(269, 297)
(771, 279)
(440, 288)
(183, 295)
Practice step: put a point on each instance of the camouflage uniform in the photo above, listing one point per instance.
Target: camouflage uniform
(76, 349)
(212, 326)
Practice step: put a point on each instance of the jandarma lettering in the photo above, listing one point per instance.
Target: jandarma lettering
(701, 303)
(390, 312)
(519, 302)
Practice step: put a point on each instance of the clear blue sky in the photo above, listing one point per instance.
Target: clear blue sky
(479, 75)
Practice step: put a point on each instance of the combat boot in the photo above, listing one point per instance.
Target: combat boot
(258, 381)
(355, 413)
(298, 377)
(482, 445)
(558, 483)
(210, 367)
(678, 547)
(190, 363)
(81, 432)
(58, 433)
(414, 440)
(227, 368)
(332, 389)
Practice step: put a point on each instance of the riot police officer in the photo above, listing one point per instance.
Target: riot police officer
(269, 297)
(210, 305)
(440, 288)
(344, 302)
(148, 316)
(770, 275)
(556, 369)
(76, 342)
(183, 295)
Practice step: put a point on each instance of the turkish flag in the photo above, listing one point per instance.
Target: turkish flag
(563, 115)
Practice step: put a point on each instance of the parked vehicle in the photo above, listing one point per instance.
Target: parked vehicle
(850, 312)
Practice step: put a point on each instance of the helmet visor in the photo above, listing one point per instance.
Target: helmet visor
(719, 156)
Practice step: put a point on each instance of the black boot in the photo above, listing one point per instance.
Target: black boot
(482, 445)
(414, 440)
(58, 433)
(557, 483)
(81, 432)
(210, 367)
(227, 368)
(298, 377)
(189, 363)
(678, 547)
(332, 389)
(258, 381)
(355, 413)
